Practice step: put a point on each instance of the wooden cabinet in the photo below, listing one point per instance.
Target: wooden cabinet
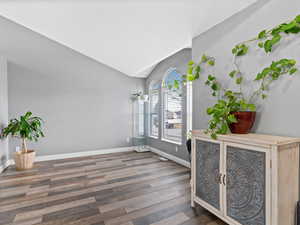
(246, 179)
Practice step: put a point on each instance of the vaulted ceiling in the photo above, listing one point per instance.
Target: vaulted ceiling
(131, 36)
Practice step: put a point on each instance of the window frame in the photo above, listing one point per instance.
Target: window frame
(150, 125)
(189, 109)
(164, 89)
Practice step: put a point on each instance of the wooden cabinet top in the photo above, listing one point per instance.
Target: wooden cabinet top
(252, 138)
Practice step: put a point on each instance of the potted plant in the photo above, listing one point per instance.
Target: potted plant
(234, 111)
(138, 95)
(27, 128)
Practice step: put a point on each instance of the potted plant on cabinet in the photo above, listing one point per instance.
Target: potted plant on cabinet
(27, 128)
(234, 111)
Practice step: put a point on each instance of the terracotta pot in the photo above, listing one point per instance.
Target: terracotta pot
(24, 160)
(244, 124)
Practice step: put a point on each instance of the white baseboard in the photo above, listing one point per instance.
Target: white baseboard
(77, 154)
(100, 152)
(82, 154)
(171, 157)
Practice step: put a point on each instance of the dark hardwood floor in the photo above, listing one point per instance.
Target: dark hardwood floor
(114, 189)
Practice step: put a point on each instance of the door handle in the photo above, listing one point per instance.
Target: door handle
(224, 179)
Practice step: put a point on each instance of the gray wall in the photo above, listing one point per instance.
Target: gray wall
(85, 104)
(3, 111)
(280, 112)
(178, 61)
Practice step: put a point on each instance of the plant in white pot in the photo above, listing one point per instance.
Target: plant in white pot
(27, 128)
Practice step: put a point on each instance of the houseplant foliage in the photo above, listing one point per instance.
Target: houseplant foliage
(138, 95)
(27, 128)
(230, 101)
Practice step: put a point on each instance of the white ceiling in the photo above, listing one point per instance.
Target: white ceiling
(131, 36)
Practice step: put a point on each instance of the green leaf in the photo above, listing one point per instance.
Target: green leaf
(276, 39)
(191, 78)
(28, 114)
(190, 63)
(176, 84)
(239, 80)
(209, 111)
(242, 50)
(232, 73)
(261, 44)
(297, 19)
(231, 118)
(224, 128)
(213, 136)
(204, 58)
(211, 62)
(258, 76)
(262, 34)
(211, 77)
(289, 26)
(234, 50)
(268, 46)
(251, 107)
(293, 70)
(215, 86)
(263, 74)
(263, 96)
(275, 75)
(294, 30)
(198, 69)
(292, 62)
(212, 124)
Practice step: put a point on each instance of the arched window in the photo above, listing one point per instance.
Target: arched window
(154, 109)
(172, 107)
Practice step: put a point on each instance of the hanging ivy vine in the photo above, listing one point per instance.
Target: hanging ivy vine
(229, 101)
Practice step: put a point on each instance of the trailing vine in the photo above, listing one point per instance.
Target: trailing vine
(194, 70)
(229, 101)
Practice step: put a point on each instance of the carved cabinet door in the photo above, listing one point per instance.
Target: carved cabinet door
(208, 165)
(245, 189)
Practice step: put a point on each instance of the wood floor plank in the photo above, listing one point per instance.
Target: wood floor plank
(176, 219)
(41, 212)
(146, 211)
(141, 201)
(113, 189)
(28, 222)
(13, 191)
(138, 190)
